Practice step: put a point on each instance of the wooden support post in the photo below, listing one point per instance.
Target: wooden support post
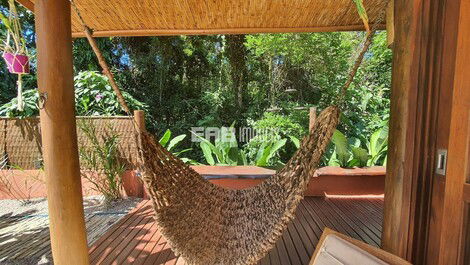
(59, 134)
(139, 119)
(403, 108)
(313, 118)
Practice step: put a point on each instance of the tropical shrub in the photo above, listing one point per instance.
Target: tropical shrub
(224, 150)
(290, 125)
(100, 162)
(352, 153)
(93, 97)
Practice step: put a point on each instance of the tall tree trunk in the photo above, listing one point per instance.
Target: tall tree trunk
(237, 53)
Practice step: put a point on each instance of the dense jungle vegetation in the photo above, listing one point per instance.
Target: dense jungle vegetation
(259, 81)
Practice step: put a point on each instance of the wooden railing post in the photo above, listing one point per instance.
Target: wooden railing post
(59, 134)
(139, 119)
(312, 118)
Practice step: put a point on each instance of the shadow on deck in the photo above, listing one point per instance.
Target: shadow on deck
(136, 239)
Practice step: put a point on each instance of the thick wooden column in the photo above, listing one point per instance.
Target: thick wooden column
(403, 123)
(59, 135)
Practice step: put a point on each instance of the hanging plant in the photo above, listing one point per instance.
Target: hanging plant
(14, 49)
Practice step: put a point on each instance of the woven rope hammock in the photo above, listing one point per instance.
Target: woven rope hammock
(208, 224)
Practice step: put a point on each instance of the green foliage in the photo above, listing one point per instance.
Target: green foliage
(30, 107)
(293, 126)
(267, 151)
(187, 81)
(170, 144)
(94, 96)
(351, 153)
(100, 162)
(224, 150)
(378, 146)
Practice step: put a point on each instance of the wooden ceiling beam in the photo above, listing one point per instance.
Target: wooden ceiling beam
(174, 32)
(27, 3)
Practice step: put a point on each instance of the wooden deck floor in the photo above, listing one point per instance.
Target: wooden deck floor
(136, 238)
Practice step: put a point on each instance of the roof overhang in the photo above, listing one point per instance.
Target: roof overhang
(201, 17)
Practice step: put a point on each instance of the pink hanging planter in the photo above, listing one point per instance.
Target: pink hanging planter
(17, 63)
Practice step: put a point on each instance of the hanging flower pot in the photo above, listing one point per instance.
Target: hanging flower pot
(17, 63)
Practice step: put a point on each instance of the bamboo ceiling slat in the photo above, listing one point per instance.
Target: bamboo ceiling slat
(164, 17)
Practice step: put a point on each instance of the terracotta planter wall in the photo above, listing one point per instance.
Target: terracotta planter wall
(30, 183)
(328, 180)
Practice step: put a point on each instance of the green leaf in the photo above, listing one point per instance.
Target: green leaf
(242, 159)
(206, 150)
(260, 151)
(182, 151)
(378, 141)
(273, 150)
(378, 145)
(341, 147)
(361, 155)
(173, 142)
(295, 140)
(354, 163)
(233, 155)
(165, 138)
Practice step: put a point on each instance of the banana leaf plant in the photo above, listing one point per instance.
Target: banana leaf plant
(351, 152)
(171, 143)
(227, 153)
(224, 151)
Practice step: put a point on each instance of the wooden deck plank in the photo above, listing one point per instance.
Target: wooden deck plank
(265, 260)
(125, 249)
(149, 248)
(363, 220)
(120, 223)
(105, 247)
(274, 256)
(296, 251)
(353, 223)
(139, 240)
(282, 251)
(142, 244)
(340, 224)
(308, 227)
(366, 209)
